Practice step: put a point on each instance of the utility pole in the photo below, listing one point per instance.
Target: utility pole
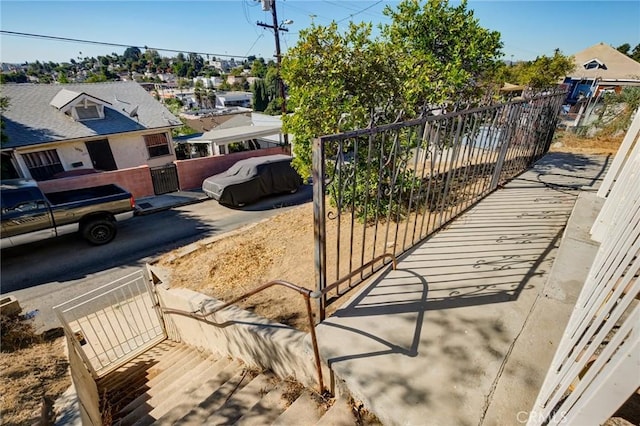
(271, 5)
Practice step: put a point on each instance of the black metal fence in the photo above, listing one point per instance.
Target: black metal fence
(380, 191)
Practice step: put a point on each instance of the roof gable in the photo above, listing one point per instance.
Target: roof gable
(36, 111)
(605, 62)
(66, 99)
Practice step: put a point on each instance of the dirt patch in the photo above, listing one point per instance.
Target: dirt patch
(280, 248)
(566, 141)
(35, 372)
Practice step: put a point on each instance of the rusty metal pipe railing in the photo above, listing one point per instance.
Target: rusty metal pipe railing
(306, 294)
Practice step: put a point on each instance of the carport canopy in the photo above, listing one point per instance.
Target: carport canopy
(236, 134)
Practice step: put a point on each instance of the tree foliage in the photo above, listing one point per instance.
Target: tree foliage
(260, 95)
(442, 52)
(626, 49)
(542, 73)
(430, 54)
(618, 111)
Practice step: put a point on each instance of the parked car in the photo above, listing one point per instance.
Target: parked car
(30, 215)
(253, 178)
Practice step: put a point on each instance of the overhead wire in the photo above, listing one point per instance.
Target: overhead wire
(359, 12)
(308, 12)
(356, 10)
(254, 43)
(104, 43)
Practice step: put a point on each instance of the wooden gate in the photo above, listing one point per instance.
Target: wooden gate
(165, 179)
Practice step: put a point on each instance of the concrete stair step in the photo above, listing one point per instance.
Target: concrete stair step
(139, 365)
(270, 406)
(211, 395)
(145, 389)
(217, 399)
(242, 400)
(170, 361)
(306, 410)
(181, 400)
(155, 366)
(121, 392)
(167, 386)
(340, 414)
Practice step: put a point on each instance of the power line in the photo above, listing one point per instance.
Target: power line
(359, 12)
(308, 12)
(356, 10)
(254, 43)
(104, 43)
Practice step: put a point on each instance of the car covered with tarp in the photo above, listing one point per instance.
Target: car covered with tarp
(253, 178)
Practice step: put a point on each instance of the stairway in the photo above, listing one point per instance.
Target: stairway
(175, 384)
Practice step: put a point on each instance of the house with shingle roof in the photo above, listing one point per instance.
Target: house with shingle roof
(69, 129)
(601, 67)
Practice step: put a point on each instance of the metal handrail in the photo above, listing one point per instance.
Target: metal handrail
(306, 294)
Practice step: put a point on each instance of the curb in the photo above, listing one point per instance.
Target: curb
(144, 212)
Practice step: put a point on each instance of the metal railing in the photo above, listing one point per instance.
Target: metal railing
(113, 324)
(379, 191)
(304, 292)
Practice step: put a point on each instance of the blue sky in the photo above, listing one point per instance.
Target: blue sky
(528, 28)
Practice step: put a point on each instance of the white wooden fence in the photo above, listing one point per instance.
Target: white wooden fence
(597, 365)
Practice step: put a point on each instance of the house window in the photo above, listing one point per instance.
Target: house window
(157, 145)
(89, 112)
(43, 165)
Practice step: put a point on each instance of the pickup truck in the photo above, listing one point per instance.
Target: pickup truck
(30, 215)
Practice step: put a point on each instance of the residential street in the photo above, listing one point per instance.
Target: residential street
(44, 274)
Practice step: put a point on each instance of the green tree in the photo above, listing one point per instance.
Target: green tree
(542, 73)
(199, 92)
(13, 77)
(45, 79)
(258, 68)
(618, 111)
(131, 53)
(441, 52)
(260, 96)
(624, 48)
(62, 78)
(430, 53)
(175, 106)
(96, 78)
(635, 53)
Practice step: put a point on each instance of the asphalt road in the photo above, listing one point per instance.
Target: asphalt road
(47, 273)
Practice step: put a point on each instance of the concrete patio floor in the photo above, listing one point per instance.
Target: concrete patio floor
(463, 331)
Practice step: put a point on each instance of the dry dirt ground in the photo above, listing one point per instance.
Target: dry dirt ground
(281, 248)
(32, 371)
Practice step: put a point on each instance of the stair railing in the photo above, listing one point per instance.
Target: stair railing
(304, 292)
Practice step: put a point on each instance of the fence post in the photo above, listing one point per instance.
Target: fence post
(319, 225)
(504, 146)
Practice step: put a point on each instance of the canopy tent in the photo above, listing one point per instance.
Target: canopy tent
(236, 134)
